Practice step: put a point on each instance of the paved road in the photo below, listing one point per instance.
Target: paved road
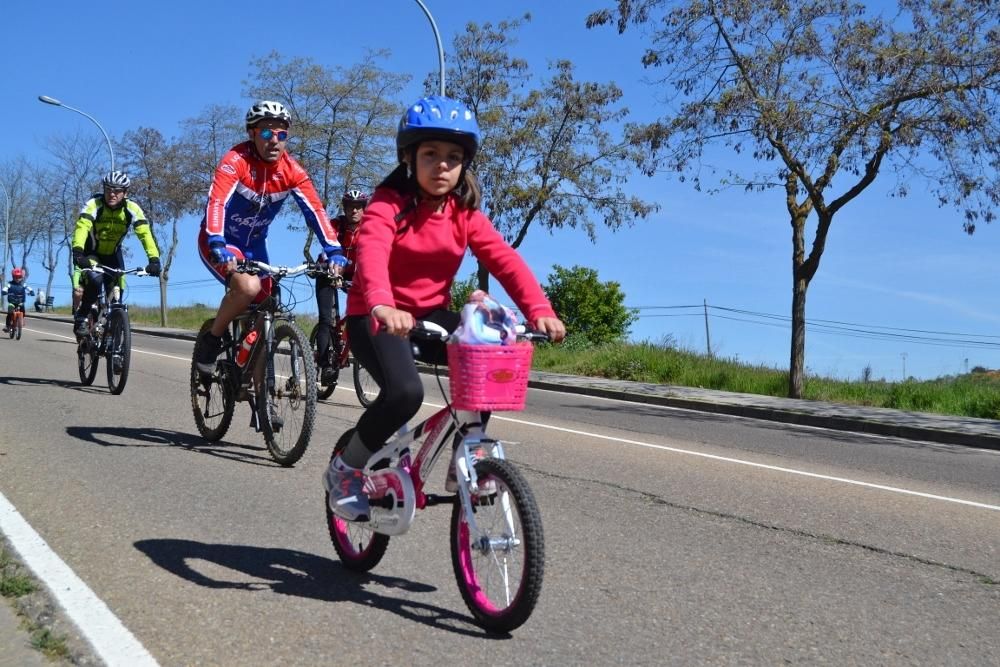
(672, 536)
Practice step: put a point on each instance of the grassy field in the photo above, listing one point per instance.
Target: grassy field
(972, 395)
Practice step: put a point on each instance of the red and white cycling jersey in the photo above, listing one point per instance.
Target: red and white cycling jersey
(247, 193)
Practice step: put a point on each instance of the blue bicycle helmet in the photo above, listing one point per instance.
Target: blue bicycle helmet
(440, 118)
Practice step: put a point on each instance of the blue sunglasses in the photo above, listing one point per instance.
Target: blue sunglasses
(266, 134)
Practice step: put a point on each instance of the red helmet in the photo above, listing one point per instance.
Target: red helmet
(17, 274)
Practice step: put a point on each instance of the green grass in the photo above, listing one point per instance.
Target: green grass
(14, 583)
(973, 395)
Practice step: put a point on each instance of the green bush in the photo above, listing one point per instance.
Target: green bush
(590, 309)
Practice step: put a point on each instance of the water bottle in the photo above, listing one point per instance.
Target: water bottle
(244, 352)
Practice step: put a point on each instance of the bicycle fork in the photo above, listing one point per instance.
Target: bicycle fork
(465, 471)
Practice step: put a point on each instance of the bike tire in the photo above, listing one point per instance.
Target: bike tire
(292, 398)
(364, 384)
(500, 583)
(20, 327)
(212, 400)
(87, 357)
(119, 350)
(322, 392)
(359, 547)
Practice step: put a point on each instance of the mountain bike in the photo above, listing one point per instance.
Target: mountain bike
(16, 321)
(339, 354)
(109, 333)
(275, 373)
(497, 543)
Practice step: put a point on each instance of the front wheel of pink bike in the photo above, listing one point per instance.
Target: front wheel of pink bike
(500, 570)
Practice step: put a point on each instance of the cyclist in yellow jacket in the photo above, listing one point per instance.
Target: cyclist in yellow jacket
(100, 230)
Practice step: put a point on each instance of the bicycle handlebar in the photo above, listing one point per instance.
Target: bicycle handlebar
(253, 266)
(431, 331)
(101, 268)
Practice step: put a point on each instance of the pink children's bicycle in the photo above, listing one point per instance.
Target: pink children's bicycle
(497, 544)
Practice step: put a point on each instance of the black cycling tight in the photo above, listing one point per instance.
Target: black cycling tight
(390, 361)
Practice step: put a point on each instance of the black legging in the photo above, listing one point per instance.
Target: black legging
(92, 282)
(389, 359)
(326, 303)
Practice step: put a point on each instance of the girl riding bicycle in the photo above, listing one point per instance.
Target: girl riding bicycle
(418, 225)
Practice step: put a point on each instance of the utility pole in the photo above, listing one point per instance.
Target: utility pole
(903, 355)
(708, 340)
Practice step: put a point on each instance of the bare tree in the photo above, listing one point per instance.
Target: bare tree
(343, 119)
(165, 185)
(548, 157)
(77, 165)
(825, 94)
(207, 138)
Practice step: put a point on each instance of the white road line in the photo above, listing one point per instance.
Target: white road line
(134, 349)
(753, 464)
(111, 640)
(726, 459)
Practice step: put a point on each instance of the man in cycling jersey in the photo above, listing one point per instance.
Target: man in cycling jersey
(100, 230)
(347, 225)
(16, 291)
(250, 184)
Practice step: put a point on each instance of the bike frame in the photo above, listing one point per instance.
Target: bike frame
(338, 329)
(107, 301)
(260, 318)
(466, 429)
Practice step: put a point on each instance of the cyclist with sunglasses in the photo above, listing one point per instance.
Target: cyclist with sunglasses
(250, 184)
(347, 224)
(104, 222)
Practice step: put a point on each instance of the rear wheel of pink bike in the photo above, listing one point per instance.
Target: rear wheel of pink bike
(360, 548)
(499, 573)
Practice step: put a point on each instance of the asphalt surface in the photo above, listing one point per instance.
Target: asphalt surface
(981, 433)
(948, 429)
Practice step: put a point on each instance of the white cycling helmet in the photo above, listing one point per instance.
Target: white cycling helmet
(117, 179)
(267, 109)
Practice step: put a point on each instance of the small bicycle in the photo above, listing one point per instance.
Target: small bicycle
(267, 363)
(109, 332)
(16, 322)
(339, 353)
(497, 544)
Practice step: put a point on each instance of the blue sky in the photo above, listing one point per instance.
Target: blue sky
(904, 264)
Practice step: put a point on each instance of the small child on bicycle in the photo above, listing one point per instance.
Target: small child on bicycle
(16, 292)
(419, 224)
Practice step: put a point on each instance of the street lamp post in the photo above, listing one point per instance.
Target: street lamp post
(56, 103)
(6, 242)
(437, 38)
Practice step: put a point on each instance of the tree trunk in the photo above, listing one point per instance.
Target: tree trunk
(796, 366)
(163, 300)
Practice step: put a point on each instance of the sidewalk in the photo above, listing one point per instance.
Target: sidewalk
(15, 643)
(968, 431)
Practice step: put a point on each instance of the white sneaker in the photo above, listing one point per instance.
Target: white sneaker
(346, 489)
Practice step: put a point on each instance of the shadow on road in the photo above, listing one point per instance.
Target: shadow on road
(119, 436)
(20, 382)
(300, 574)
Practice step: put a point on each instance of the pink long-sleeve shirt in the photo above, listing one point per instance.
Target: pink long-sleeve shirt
(412, 263)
